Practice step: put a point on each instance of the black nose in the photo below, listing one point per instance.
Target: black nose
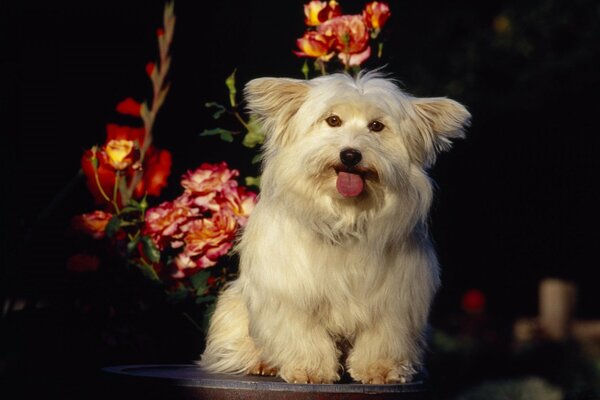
(350, 157)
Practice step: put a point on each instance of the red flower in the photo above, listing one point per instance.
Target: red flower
(473, 301)
(376, 14)
(119, 132)
(129, 107)
(105, 171)
(93, 224)
(157, 168)
(350, 37)
(119, 154)
(150, 68)
(317, 12)
(83, 263)
(315, 45)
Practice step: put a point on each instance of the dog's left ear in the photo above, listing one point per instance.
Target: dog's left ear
(275, 101)
(439, 120)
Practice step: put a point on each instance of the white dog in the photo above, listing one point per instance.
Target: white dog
(337, 270)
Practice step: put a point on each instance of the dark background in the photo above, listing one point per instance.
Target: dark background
(516, 201)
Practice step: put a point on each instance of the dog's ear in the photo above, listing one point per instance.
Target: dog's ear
(275, 101)
(439, 120)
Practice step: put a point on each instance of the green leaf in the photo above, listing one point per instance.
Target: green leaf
(227, 137)
(211, 132)
(148, 272)
(224, 134)
(305, 70)
(230, 83)
(178, 295)
(252, 181)
(150, 249)
(205, 299)
(254, 136)
(132, 246)
(113, 226)
(220, 109)
(129, 209)
(144, 203)
(256, 159)
(199, 282)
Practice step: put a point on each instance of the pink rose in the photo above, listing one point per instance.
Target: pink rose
(207, 178)
(240, 201)
(206, 240)
(164, 222)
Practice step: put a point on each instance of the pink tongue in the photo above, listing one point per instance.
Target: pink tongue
(348, 184)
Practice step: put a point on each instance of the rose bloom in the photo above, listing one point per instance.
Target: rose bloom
(156, 171)
(83, 263)
(207, 240)
(121, 132)
(93, 224)
(315, 45)
(240, 201)
(208, 178)
(129, 107)
(164, 222)
(106, 174)
(350, 37)
(119, 153)
(376, 14)
(317, 12)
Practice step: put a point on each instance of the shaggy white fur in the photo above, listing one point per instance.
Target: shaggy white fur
(336, 263)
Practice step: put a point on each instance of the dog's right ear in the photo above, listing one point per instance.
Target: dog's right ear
(275, 101)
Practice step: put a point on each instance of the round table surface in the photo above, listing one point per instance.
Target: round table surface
(192, 376)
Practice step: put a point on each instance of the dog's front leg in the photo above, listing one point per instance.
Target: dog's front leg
(301, 349)
(382, 354)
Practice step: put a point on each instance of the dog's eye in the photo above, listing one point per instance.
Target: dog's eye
(376, 126)
(333, 121)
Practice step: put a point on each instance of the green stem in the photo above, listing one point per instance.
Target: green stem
(239, 118)
(116, 192)
(322, 67)
(153, 272)
(102, 192)
(189, 318)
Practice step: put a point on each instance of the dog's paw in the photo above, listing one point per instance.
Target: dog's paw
(383, 372)
(262, 369)
(302, 375)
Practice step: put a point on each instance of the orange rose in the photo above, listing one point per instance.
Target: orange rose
(350, 37)
(314, 45)
(317, 12)
(93, 224)
(376, 14)
(119, 153)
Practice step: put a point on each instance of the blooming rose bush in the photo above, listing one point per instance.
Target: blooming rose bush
(330, 33)
(199, 227)
(181, 245)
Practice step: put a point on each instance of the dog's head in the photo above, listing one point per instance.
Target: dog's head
(349, 139)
